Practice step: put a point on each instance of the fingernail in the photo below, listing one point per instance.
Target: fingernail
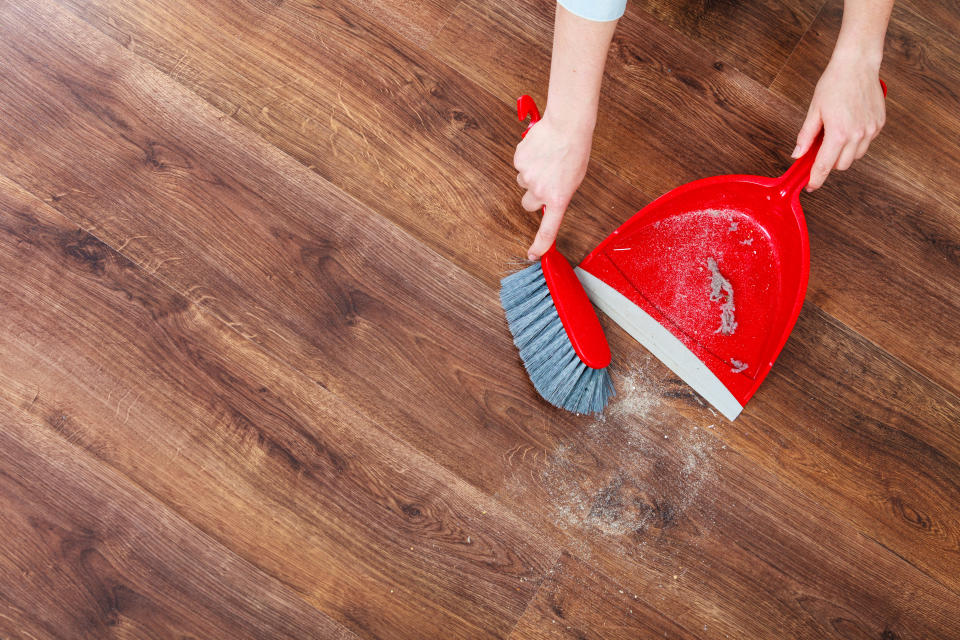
(796, 152)
(531, 257)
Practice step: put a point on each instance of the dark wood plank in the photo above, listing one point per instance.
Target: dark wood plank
(853, 428)
(461, 226)
(669, 111)
(577, 601)
(941, 16)
(755, 37)
(263, 460)
(923, 226)
(347, 298)
(399, 131)
(88, 554)
(907, 192)
(198, 203)
(885, 455)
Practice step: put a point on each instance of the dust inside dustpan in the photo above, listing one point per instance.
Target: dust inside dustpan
(710, 277)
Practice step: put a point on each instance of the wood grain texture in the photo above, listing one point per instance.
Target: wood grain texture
(646, 497)
(669, 109)
(477, 471)
(902, 435)
(315, 372)
(755, 37)
(577, 601)
(933, 15)
(398, 130)
(418, 23)
(88, 554)
(364, 310)
(920, 71)
(345, 515)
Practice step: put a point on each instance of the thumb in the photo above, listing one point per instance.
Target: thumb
(808, 132)
(547, 234)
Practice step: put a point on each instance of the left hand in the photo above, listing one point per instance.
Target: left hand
(848, 104)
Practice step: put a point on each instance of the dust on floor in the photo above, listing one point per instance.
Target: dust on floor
(629, 476)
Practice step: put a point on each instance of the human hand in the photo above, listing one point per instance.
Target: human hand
(551, 162)
(848, 104)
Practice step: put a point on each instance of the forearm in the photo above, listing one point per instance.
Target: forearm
(576, 70)
(862, 32)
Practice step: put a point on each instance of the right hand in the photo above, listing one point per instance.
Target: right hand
(551, 162)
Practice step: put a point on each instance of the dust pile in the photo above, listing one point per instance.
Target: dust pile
(718, 284)
(628, 475)
(697, 243)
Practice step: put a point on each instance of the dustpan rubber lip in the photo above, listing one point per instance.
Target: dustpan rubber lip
(661, 343)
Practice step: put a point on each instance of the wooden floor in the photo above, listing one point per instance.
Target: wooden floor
(255, 381)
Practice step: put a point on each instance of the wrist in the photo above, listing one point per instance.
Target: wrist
(577, 123)
(859, 52)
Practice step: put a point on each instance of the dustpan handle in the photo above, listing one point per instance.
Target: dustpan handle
(798, 175)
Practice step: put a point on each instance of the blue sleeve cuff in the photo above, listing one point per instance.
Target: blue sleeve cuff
(597, 10)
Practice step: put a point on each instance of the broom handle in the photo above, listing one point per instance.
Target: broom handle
(527, 107)
(798, 175)
(573, 306)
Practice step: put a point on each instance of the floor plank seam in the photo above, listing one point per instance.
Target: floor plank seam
(952, 589)
(955, 394)
(938, 27)
(786, 61)
(553, 564)
(428, 43)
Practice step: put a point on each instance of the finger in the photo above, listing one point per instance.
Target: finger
(530, 202)
(825, 161)
(872, 132)
(547, 234)
(808, 132)
(521, 182)
(847, 155)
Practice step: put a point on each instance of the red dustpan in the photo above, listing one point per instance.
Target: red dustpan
(710, 277)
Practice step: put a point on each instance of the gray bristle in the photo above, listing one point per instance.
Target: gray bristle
(553, 365)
